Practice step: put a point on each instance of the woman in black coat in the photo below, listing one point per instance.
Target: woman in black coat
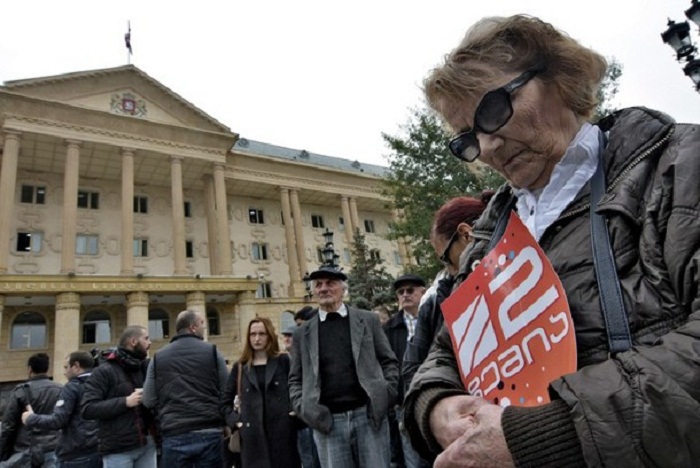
(262, 411)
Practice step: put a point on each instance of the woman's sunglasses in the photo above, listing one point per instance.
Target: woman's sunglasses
(493, 112)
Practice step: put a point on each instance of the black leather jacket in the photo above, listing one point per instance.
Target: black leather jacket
(42, 394)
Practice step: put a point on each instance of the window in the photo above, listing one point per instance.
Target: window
(213, 321)
(140, 247)
(375, 255)
(88, 199)
(28, 331)
(317, 221)
(264, 291)
(141, 205)
(259, 251)
(158, 324)
(369, 226)
(256, 216)
(397, 258)
(346, 256)
(96, 327)
(189, 249)
(188, 209)
(86, 244)
(29, 241)
(33, 194)
(341, 224)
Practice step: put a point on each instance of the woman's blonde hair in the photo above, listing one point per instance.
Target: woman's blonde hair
(518, 43)
(273, 347)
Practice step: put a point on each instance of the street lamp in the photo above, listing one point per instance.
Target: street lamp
(330, 261)
(677, 35)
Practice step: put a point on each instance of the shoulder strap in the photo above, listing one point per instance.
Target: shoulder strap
(616, 322)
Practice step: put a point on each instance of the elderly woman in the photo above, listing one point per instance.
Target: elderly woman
(517, 93)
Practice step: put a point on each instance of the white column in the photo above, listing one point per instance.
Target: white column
(178, 213)
(8, 182)
(127, 254)
(66, 331)
(70, 205)
(223, 234)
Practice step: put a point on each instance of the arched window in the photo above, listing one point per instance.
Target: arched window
(97, 327)
(158, 324)
(213, 323)
(28, 331)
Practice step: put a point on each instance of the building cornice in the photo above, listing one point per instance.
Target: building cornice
(57, 284)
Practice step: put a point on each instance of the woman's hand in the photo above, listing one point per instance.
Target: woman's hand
(469, 429)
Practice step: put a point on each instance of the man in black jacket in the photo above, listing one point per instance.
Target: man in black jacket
(77, 446)
(19, 441)
(113, 396)
(184, 384)
(399, 329)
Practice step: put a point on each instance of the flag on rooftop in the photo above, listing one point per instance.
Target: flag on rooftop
(127, 39)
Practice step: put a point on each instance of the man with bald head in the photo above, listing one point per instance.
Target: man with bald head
(184, 384)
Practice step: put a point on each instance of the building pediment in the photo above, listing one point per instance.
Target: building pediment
(124, 90)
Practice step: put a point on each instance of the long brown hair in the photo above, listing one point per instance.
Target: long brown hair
(272, 349)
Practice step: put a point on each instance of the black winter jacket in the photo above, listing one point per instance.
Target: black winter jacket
(186, 385)
(78, 437)
(640, 407)
(397, 334)
(120, 428)
(429, 323)
(268, 431)
(42, 394)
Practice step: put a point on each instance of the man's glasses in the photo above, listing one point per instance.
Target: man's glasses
(402, 291)
(445, 257)
(493, 112)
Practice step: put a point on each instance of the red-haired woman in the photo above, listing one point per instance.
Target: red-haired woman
(268, 430)
(450, 235)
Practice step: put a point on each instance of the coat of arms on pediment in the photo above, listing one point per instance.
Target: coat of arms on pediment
(128, 104)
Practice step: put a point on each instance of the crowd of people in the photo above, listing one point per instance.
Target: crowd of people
(615, 207)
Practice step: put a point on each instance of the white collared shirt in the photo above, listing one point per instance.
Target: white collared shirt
(343, 311)
(540, 208)
(410, 322)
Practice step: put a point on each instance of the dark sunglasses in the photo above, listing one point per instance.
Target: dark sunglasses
(493, 112)
(410, 290)
(445, 257)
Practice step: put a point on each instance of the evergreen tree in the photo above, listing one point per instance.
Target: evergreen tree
(369, 283)
(423, 176)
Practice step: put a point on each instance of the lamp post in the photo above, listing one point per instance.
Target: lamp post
(677, 35)
(330, 260)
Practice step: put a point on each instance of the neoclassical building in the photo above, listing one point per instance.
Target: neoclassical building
(123, 203)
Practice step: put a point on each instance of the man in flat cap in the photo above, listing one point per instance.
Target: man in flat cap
(399, 329)
(344, 378)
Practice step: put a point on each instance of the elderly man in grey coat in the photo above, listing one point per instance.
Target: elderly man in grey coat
(343, 378)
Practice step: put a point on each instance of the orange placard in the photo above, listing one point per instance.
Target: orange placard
(510, 323)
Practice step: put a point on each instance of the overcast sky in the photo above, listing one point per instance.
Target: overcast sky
(324, 76)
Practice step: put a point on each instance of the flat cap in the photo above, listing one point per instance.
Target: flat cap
(328, 272)
(408, 278)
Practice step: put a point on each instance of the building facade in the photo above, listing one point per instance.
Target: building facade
(122, 203)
